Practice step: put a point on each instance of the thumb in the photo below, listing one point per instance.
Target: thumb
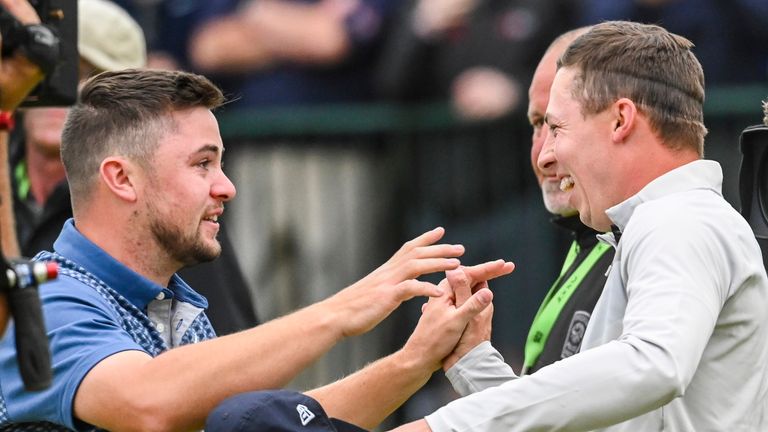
(476, 303)
(460, 284)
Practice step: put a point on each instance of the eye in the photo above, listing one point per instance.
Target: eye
(553, 130)
(204, 163)
(537, 124)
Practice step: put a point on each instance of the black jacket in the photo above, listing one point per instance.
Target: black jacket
(568, 331)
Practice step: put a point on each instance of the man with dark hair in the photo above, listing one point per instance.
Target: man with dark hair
(687, 294)
(129, 340)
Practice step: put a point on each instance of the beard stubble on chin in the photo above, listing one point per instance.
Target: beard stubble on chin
(188, 250)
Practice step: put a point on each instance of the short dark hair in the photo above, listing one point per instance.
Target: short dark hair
(654, 68)
(125, 113)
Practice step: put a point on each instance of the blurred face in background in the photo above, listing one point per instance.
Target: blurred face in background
(43, 126)
(544, 163)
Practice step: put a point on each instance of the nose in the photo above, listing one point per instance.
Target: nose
(223, 189)
(547, 161)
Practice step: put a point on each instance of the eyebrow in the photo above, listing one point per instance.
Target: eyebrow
(206, 148)
(209, 148)
(549, 118)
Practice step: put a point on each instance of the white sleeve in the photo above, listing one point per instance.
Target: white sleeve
(582, 392)
(479, 369)
(650, 362)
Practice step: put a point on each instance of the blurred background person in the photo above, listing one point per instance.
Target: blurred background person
(18, 76)
(108, 39)
(479, 54)
(560, 323)
(731, 38)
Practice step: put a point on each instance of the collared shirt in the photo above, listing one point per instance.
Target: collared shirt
(677, 342)
(37, 228)
(95, 308)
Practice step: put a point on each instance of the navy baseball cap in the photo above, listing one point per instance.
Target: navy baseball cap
(273, 411)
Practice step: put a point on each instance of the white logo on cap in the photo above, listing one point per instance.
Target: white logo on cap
(305, 414)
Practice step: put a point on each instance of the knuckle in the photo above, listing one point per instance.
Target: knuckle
(411, 267)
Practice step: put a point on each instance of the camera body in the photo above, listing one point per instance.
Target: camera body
(59, 88)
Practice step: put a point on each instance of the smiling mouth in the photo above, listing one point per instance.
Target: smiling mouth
(566, 183)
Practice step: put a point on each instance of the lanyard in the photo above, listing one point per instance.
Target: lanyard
(22, 180)
(553, 303)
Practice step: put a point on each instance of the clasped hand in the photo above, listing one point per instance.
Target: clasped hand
(453, 323)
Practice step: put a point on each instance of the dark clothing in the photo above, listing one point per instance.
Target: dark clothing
(567, 332)
(37, 228)
(291, 83)
(507, 35)
(170, 25)
(730, 36)
(221, 281)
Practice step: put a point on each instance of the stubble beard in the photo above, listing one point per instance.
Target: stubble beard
(186, 249)
(556, 201)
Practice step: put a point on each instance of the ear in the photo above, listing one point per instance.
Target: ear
(117, 173)
(624, 119)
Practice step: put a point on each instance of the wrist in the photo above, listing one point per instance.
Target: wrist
(328, 319)
(417, 360)
(412, 365)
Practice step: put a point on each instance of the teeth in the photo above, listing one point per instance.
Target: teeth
(566, 184)
(212, 218)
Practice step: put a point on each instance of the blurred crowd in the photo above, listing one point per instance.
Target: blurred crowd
(316, 212)
(477, 53)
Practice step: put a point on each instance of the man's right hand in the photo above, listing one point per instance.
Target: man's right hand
(445, 319)
(465, 282)
(361, 306)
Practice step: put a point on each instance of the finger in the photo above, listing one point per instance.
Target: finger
(416, 288)
(440, 250)
(425, 239)
(479, 286)
(459, 283)
(419, 267)
(475, 304)
(445, 298)
(488, 270)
